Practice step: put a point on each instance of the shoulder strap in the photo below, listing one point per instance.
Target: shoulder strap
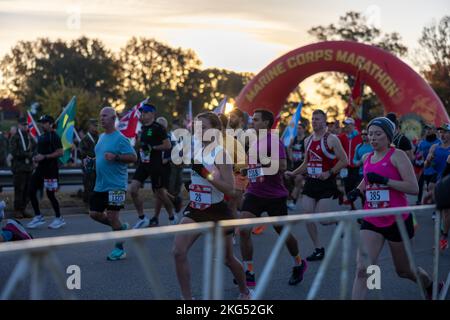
(324, 144)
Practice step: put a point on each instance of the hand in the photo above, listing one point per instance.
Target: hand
(324, 175)
(110, 156)
(376, 178)
(289, 174)
(353, 195)
(201, 170)
(38, 158)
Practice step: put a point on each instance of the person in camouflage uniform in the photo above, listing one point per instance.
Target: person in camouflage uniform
(87, 155)
(21, 148)
(3, 149)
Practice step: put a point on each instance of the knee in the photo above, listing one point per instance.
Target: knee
(179, 253)
(134, 190)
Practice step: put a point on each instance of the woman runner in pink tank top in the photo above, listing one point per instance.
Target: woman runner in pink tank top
(388, 177)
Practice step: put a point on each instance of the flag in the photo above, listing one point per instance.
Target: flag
(128, 125)
(220, 109)
(353, 109)
(65, 128)
(32, 127)
(291, 130)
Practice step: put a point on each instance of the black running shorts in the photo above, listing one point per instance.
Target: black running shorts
(156, 174)
(391, 233)
(98, 202)
(256, 205)
(320, 189)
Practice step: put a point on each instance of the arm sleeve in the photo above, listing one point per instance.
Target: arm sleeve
(125, 146)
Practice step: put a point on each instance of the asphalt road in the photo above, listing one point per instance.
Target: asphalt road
(122, 280)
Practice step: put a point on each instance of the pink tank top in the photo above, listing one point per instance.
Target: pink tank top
(381, 196)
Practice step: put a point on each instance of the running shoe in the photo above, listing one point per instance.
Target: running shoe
(297, 273)
(142, 223)
(259, 229)
(443, 244)
(36, 222)
(18, 231)
(116, 254)
(172, 221)
(246, 296)
(250, 279)
(318, 254)
(153, 222)
(291, 206)
(57, 223)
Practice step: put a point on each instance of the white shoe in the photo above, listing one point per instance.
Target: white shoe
(248, 296)
(142, 223)
(291, 206)
(36, 222)
(2, 210)
(57, 223)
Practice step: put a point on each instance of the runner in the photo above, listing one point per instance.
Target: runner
(49, 149)
(442, 198)
(350, 139)
(165, 176)
(296, 153)
(210, 182)
(153, 141)
(267, 193)
(325, 157)
(429, 174)
(13, 231)
(113, 152)
(363, 148)
(388, 177)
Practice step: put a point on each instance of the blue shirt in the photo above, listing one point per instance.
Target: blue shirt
(423, 148)
(361, 149)
(111, 175)
(440, 160)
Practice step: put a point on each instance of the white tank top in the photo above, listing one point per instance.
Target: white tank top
(201, 192)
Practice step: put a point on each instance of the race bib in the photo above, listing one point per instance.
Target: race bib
(297, 155)
(254, 173)
(344, 173)
(145, 156)
(377, 197)
(314, 171)
(116, 198)
(51, 184)
(200, 196)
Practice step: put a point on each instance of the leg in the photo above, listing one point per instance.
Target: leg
(134, 187)
(181, 246)
(421, 183)
(291, 242)
(35, 184)
(372, 243)
(113, 218)
(325, 205)
(55, 204)
(245, 235)
(402, 266)
(100, 217)
(234, 265)
(309, 206)
(161, 193)
(158, 206)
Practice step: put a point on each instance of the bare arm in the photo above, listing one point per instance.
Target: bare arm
(341, 156)
(223, 178)
(408, 184)
(430, 156)
(362, 184)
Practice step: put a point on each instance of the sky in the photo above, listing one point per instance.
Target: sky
(239, 35)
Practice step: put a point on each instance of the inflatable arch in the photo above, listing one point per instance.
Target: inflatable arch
(399, 88)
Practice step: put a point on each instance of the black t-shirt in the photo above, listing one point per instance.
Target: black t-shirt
(48, 143)
(402, 142)
(152, 135)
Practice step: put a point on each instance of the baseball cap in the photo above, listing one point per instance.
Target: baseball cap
(147, 107)
(349, 121)
(46, 118)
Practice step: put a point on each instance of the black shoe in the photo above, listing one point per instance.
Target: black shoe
(297, 273)
(318, 254)
(249, 279)
(178, 203)
(153, 222)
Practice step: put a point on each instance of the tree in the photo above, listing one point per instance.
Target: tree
(156, 70)
(434, 58)
(55, 97)
(353, 27)
(83, 63)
